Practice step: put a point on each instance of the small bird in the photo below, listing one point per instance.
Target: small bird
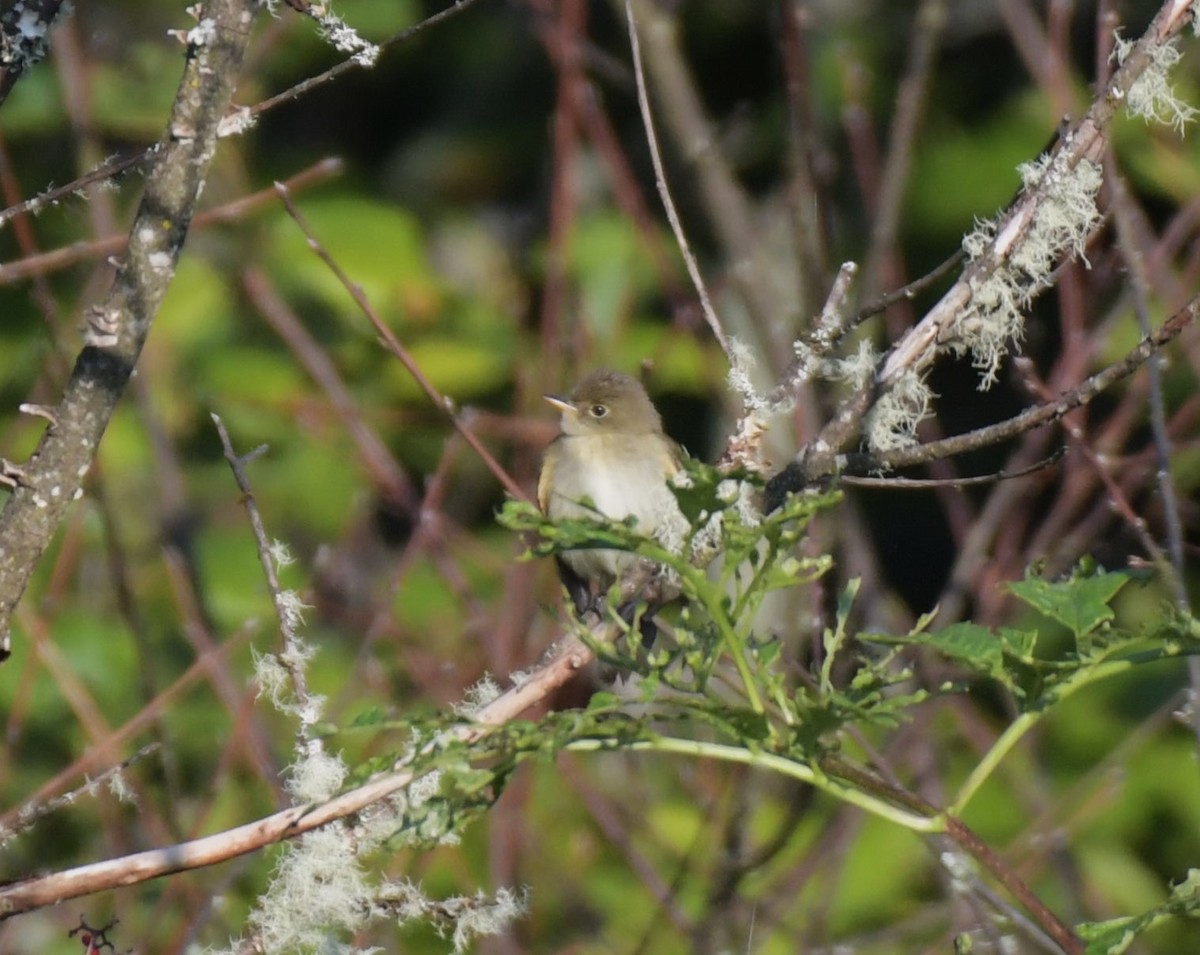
(613, 460)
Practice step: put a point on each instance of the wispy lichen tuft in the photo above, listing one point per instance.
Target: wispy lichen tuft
(1152, 95)
(893, 421)
(318, 888)
(1063, 216)
(741, 369)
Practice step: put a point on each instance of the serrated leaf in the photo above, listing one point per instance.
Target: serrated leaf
(976, 646)
(1018, 643)
(1114, 936)
(1080, 604)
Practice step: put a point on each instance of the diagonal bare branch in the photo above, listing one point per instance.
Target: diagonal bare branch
(53, 477)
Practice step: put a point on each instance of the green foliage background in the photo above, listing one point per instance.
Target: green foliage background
(440, 213)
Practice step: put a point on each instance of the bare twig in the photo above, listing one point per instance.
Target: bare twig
(912, 484)
(563, 662)
(392, 343)
(664, 192)
(57, 259)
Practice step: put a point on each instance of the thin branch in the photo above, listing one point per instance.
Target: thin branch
(117, 166)
(44, 263)
(348, 65)
(909, 484)
(1087, 140)
(664, 192)
(906, 293)
(392, 343)
(800, 474)
(831, 327)
(1034, 417)
(31, 813)
(287, 604)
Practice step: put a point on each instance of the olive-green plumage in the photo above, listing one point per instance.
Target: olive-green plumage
(612, 459)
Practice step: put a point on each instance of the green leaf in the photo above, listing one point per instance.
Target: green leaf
(1080, 604)
(1108, 938)
(981, 650)
(699, 496)
(976, 646)
(372, 716)
(1019, 643)
(603, 701)
(835, 639)
(1114, 936)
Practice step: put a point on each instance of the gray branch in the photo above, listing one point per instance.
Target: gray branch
(48, 483)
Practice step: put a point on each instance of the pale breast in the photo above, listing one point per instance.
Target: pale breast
(618, 483)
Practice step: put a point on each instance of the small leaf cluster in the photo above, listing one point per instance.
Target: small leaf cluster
(1022, 660)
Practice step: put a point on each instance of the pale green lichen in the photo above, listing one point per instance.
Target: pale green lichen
(1152, 95)
(892, 423)
(1062, 217)
(741, 375)
(856, 370)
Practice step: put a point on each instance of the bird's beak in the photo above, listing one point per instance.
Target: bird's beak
(560, 403)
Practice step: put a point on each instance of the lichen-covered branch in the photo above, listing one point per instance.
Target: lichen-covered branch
(24, 38)
(48, 483)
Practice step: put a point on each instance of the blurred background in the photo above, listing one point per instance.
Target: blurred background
(489, 186)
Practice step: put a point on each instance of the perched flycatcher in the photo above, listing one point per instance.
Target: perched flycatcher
(611, 460)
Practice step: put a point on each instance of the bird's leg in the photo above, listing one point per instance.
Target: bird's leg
(583, 597)
(647, 584)
(647, 629)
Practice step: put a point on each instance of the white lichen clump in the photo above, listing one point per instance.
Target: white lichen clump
(343, 37)
(741, 376)
(1152, 96)
(1062, 217)
(479, 695)
(316, 777)
(892, 423)
(856, 370)
(318, 883)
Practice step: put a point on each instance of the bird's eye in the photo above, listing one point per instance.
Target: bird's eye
(598, 411)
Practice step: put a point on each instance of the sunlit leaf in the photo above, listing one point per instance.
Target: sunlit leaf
(1081, 604)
